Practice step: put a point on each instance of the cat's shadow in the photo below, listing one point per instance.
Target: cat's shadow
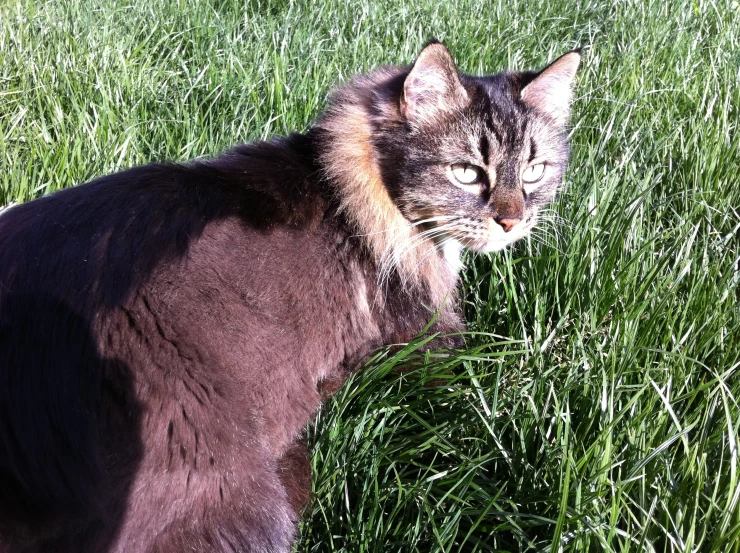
(70, 440)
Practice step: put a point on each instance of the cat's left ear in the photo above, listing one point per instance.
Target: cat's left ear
(432, 88)
(551, 91)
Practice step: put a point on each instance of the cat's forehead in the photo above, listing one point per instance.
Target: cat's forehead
(500, 89)
(499, 120)
(498, 110)
(496, 126)
(492, 126)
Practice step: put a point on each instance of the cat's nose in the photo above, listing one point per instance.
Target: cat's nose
(508, 224)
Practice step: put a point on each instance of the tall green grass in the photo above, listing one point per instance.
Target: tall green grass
(597, 406)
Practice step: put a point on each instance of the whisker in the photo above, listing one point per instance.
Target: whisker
(395, 252)
(436, 248)
(552, 231)
(410, 225)
(545, 240)
(422, 236)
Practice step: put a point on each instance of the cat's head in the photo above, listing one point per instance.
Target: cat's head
(424, 157)
(477, 158)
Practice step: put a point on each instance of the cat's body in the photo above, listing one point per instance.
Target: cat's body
(225, 324)
(167, 332)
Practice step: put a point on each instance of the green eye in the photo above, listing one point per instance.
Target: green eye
(534, 173)
(465, 173)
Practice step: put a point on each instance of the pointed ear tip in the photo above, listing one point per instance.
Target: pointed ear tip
(569, 62)
(435, 46)
(435, 54)
(575, 55)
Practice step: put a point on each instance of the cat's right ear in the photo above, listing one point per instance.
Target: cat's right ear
(551, 91)
(432, 88)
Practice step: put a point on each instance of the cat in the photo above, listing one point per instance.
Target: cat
(167, 332)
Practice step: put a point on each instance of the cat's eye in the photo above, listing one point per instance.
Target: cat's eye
(466, 174)
(533, 173)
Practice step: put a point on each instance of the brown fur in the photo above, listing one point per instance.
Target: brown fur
(167, 332)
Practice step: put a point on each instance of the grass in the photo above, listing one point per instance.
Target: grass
(597, 407)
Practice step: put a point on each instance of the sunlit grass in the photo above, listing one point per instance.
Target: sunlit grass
(596, 409)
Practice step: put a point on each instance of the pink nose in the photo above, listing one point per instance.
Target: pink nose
(508, 224)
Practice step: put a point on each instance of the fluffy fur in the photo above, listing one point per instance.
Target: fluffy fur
(167, 332)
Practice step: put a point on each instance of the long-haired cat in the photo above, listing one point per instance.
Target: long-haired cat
(167, 332)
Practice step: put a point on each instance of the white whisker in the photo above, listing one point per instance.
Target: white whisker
(394, 253)
(410, 225)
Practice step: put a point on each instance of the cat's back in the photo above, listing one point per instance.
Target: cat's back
(115, 230)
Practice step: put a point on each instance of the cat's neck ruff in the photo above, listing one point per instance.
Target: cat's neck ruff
(351, 164)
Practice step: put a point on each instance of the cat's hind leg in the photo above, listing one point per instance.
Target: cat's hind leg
(241, 517)
(223, 532)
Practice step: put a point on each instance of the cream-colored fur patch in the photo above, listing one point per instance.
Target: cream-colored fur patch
(351, 163)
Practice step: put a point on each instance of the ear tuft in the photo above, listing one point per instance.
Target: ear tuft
(432, 88)
(551, 91)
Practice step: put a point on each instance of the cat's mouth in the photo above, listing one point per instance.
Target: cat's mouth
(497, 238)
(485, 236)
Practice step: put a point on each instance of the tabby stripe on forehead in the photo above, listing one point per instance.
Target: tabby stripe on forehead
(484, 148)
(488, 110)
(520, 140)
(490, 126)
(532, 150)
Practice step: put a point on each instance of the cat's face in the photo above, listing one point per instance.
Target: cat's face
(481, 155)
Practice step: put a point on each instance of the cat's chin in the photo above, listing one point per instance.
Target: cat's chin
(495, 246)
(490, 246)
(498, 244)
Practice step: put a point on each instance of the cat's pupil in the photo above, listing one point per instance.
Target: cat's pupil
(534, 173)
(466, 174)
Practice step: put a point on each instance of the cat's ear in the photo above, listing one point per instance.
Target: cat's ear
(551, 91)
(433, 86)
